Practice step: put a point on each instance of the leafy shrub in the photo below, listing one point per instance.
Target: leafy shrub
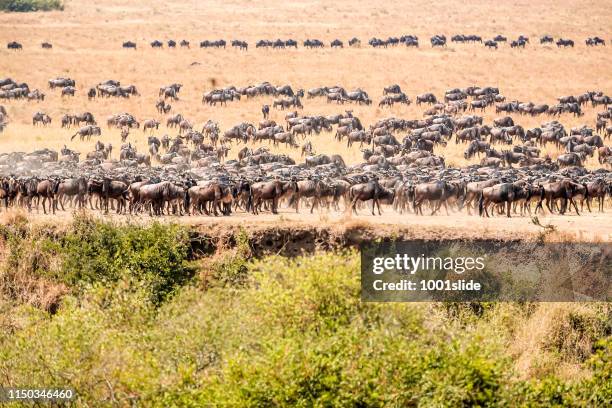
(227, 268)
(99, 251)
(31, 5)
(293, 332)
(95, 251)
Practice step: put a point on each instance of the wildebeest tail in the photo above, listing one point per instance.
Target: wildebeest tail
(481, 204)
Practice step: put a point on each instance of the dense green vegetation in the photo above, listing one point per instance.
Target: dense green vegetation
(137, 325)
(31, 5)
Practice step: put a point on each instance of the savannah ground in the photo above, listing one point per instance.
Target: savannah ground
(121, 310)
(87, 42)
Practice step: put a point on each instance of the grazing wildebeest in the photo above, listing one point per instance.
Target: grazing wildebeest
(436, 192)
(271, 191)
(354, 42)
(47, 189)
(426, 98)
(565, 43)
(14, 45)
(475, 148)
(87, 131)
(42, 118)
(546, 39)
(571, 159)
(490, 44)
(371, 190)
(499, 194)
(150, 124)
(564, 190)
(68, 91)
(603, 153)
(72, 188)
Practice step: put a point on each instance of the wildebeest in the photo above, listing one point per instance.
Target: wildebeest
(371, 190)
(242, 45)
(438, 41)
(426, 98)
(14, 45)
(546, 39)
(270, 191)
(565, 43)
(571, 159)
(564, 190)
(504, 193)
(436, 192)
(61, 82)
(150, 124)
(68, 91)
(41, 118)
(490, 44)
(87, 131)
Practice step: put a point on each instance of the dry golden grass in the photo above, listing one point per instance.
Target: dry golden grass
(548, 342)
(87, 47)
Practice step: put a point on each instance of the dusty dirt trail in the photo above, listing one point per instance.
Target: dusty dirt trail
(590, 227)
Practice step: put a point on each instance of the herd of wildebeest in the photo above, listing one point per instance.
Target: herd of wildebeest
(438, 40)
(403, 165)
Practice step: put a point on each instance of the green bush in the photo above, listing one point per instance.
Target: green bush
(294, 333)
(31, 5)
(91, 251)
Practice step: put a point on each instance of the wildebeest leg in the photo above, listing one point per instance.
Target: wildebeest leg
(416, 205)
(275, 205)
(297, 203)
(527, 206)
(354, 205)
(508, 208)
(485, 204)
(563, 207)
(549, 201)
(436, 207)
(468, 204)
(314, 202)
(588, 202)
(572, 202)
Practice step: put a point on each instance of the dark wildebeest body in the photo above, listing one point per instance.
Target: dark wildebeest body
(499, 194)
(372, 190)
(564, 190)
